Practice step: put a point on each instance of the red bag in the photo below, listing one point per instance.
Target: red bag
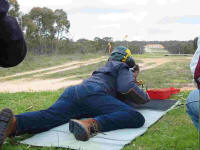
(162, 93)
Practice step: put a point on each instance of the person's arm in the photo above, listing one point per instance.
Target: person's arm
(195, 58)
(12, 44)
(128, 89)
(197, 74)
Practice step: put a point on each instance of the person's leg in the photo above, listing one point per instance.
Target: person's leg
(59, 113)
(107, 113)
(112, 114)
(192, 107)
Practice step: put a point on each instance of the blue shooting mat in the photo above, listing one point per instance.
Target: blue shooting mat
(113, 140)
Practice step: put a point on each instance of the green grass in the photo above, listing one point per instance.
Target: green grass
(175, 74)
(149, 55)
(174, 131)
(79, 71)
(151, 63)
(157, 55)
(43, 61)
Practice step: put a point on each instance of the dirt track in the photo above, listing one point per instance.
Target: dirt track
(66, 66)
(34, 84)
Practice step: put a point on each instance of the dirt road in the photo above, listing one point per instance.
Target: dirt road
(34, 84)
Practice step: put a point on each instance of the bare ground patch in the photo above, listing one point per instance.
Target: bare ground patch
(57, 68)
(34, 84)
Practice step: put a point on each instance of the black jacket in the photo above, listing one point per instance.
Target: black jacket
(12, 44)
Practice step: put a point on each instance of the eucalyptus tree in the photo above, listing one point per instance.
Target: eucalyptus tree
(62, 24)
(14, 8)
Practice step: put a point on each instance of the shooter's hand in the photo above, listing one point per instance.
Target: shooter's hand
(140, 82)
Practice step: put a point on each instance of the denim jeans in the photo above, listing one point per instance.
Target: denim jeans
(87, 100)
(192, 107)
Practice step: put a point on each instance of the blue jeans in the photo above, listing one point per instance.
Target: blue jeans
(87, 100)
(192, 107)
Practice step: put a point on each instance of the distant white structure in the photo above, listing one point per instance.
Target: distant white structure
(155, 48)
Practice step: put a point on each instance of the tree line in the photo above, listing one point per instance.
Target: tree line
(47, 31)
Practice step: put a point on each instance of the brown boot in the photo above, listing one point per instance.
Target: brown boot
(7, 124)
(83, 129)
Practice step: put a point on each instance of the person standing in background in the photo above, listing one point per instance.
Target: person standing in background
(195, 58)
(192, 102)
(197, 74)
(109, 48)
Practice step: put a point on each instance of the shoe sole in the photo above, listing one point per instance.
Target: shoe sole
(79, 130)
(6, 117)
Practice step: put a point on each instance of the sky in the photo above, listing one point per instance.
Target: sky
(129, 20)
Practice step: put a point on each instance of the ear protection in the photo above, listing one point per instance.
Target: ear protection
(124, 56)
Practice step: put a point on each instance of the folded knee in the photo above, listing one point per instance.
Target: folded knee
(137, 119)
